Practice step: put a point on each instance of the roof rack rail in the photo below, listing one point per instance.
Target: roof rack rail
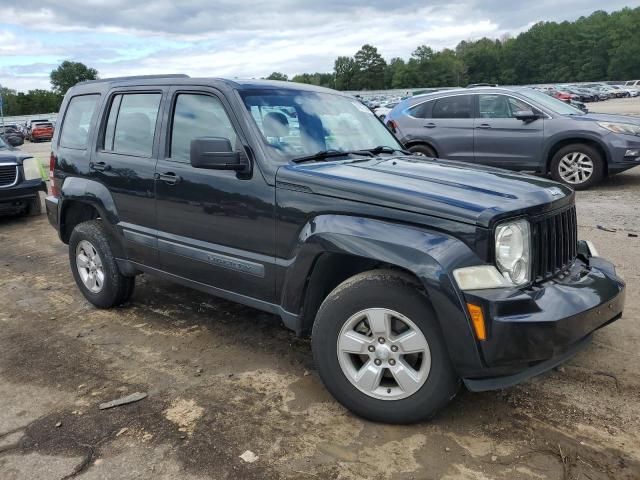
(474, 85)
(136, 77)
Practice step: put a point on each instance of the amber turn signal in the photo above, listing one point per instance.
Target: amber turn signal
(477, 319)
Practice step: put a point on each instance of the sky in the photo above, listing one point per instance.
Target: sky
(252, 38)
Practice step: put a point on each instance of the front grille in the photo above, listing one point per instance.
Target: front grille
(555, 243)
(8, 175)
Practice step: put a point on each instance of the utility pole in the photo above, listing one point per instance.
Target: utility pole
(1, 109)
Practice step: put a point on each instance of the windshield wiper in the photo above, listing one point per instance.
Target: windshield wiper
(324, 154)
(386, 149)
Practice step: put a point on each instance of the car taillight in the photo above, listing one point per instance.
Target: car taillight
(52, 165)
(393, 126)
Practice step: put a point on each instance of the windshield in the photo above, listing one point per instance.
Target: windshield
(550, 103)
(296, 123)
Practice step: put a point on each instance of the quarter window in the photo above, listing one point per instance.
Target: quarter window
(457, 106)
(131, 123)
(77, 122)
(420, 111)
(195, 116)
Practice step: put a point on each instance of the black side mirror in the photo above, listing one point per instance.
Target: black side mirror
(215, 153)
(526, 115)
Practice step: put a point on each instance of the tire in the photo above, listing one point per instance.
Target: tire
(423, 150)
(585, 155)
(383, 291)
(114, 288)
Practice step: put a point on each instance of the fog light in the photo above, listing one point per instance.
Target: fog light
(635, 153)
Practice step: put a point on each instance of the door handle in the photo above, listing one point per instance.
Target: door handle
(169, 178)
(430, 125)
(484, 126)
(99, 166)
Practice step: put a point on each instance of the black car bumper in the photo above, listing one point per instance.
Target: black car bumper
(532, 331)
(51, 204)
(16, 199)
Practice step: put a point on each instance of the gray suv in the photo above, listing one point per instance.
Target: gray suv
(518, 128)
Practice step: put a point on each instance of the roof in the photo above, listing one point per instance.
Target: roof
(181, 79)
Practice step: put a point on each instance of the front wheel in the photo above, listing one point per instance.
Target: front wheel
(379, 350)
(423, 151)
(578, 165)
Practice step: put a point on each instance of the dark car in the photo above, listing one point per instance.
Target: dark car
(12, 136)
(518, 128)
(20, 182)
(412, 275)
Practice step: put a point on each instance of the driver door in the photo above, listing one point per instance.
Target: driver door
(216, 227)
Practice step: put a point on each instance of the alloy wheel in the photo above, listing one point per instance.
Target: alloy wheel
(575, 168)
(384, 354)
(89, 266)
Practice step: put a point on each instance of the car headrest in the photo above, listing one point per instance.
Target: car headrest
(275, 124)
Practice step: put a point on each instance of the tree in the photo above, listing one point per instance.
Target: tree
(278, 76)
(345, 70)
(69, 73)
(370, 68)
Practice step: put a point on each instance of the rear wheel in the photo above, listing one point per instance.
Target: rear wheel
(94, 266)
(423, 151)
(379, 350)
(578, 165)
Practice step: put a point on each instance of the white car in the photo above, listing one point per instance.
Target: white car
(382, 111)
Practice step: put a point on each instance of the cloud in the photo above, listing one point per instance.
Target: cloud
(249, 38)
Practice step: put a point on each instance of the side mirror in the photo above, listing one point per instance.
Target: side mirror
(526, 115)
(215, 153)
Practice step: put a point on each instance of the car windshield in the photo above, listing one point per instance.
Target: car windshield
(296, 123)
(550, 103)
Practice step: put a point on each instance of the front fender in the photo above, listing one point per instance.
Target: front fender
(429, 255)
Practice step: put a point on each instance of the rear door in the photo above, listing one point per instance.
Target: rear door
(125, 163)
(449, 127)
(501, 139)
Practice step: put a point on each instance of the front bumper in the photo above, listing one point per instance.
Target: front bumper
(620, 147)
(16, 199)
(531, 331)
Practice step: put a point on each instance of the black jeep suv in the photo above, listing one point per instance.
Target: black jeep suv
(410, 274)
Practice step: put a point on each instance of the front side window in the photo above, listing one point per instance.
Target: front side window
(77, 122)
(457, 106)
(500, 106)
(195, 116)
(296, 123)
(131, 123)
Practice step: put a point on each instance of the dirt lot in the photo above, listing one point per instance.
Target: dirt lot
(222, 379)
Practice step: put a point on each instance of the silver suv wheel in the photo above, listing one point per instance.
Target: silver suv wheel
(89, 266)
(383, 354)
(575, 168)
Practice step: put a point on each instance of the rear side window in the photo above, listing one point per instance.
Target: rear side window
(196, 116)
(77, 122)
(422, 110)
(131, 124)
(458, 106)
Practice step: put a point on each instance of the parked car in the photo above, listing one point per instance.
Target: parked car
(411, 275)
(41, 132)
(382, 111)
(12, 136)
(20, 182)
(520, 129)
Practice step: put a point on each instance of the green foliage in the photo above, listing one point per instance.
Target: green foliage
(599, 47)
(69, 73)
(278, 76)
(30, 103)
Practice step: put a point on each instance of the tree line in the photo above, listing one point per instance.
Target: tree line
(599, 47)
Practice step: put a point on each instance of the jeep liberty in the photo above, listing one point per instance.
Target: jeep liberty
(412, 275)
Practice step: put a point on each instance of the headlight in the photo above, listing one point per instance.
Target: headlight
(626, 128)
(31, 169)
(513, 252)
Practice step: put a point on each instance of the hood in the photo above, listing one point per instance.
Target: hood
(15, 156)
(459, 191)
(607, 117)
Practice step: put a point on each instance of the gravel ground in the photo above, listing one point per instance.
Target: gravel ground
(223, 379)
